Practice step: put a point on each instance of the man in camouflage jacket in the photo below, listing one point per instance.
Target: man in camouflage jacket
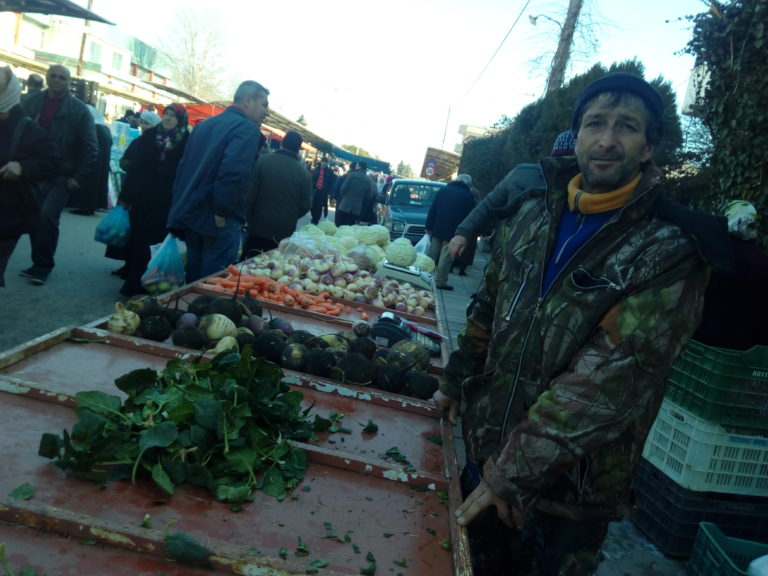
(584, 306)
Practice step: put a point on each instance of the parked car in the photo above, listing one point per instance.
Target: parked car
(404, 207)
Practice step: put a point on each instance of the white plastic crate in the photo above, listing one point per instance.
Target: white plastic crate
(700, 455)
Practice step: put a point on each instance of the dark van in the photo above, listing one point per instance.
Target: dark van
(406, 205)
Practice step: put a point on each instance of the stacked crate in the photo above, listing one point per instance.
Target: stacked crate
(706, 457)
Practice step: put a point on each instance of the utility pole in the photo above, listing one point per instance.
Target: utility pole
(563, 52)
(83, 41)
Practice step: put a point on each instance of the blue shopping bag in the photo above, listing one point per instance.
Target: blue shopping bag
(114, 228)
(165, 270)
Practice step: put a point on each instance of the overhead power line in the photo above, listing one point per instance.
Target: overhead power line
(524, 8)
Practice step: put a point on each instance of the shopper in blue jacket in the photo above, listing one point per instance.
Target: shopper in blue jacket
(209, 194)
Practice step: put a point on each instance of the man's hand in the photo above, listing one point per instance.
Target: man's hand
(219, 220)
(73, 184)
(482, 498)
(10, 171)
(456, 245)
(448, 406)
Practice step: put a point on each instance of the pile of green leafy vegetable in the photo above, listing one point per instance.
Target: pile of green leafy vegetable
(226, 425)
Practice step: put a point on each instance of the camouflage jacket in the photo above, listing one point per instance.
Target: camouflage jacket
(558, 391)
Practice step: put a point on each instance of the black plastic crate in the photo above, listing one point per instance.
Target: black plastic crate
(670, 514)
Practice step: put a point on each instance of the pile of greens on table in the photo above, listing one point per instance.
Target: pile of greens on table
(226, 425)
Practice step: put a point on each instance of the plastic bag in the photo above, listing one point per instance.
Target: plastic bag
(165, 270)
(180, 245)
(114, 228)
(423, 245)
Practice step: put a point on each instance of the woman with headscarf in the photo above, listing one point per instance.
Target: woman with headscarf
(150, 165)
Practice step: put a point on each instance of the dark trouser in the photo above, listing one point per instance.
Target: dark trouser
(547, 545)
(255, 245)
(345, 218)
(45, 237)
(6, 249)
(319, 205)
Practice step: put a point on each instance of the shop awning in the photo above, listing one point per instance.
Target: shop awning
(58, 7)
(372, 163)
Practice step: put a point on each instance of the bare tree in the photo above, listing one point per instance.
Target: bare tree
(194, 53)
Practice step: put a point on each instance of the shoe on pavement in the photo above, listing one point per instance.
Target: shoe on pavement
(35, 277)
(446, 287)
(29, 273)
(462, 272)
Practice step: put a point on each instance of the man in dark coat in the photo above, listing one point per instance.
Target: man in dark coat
(357, 192)
(27, 155)
(452, 204)
(69, 122)
(211, 186)
(279, 194)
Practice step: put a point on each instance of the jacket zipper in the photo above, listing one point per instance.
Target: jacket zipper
(519, 293)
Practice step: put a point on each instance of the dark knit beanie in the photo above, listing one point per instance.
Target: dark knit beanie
(292, 141)
(620, 82)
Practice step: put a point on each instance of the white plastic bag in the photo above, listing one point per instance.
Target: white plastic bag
(423, 245)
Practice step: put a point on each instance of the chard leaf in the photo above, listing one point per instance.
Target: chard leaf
(89, 428)
(136, 381)
(159, 436)
(233, 493)
(295, 463)
(98, 402)
(208, 413)
(273, 484)
(23, 492)
(161, 478)
(322, 424)
(371, 427)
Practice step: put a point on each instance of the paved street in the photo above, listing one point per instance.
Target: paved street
(79, 290)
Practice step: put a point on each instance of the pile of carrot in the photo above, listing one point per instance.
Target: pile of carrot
(267, 289)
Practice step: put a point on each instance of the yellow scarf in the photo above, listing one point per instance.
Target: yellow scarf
(591, 203)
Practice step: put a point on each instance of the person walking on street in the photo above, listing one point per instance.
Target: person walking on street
(588, 297)
(357, 192)
(150, 164)
(210, 191)
(70, 124)
(279, 194)
(27, 156)
(323, 181)
(451, 205)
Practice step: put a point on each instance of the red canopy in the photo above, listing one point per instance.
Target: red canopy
(199, 112)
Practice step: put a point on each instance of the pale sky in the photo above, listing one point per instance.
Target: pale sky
(397, 76)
